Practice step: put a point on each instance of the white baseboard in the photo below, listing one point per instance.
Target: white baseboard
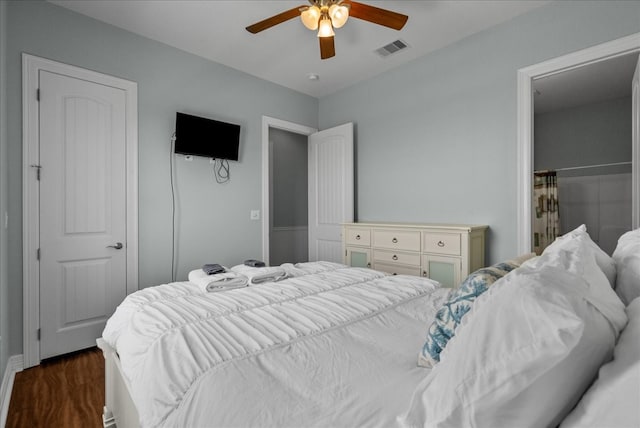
(14, 365)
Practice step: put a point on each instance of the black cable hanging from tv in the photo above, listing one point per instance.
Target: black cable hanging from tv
(173, 211)
(221, 170)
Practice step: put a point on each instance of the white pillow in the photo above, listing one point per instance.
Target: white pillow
(524, 354)
(627, 258)
(614, 398)
(575, 253)
(605, 262)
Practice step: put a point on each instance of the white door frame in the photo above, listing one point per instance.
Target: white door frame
(602, 52)
(31, 66)
(270, 122)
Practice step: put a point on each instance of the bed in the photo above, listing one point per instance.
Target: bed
(332, 345)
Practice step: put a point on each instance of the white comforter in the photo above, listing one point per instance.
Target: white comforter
(336, 347)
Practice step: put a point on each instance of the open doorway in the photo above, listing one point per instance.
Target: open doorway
(283, 145)
(330, 180)
(525, 149)
(288, 205)
(582, 154)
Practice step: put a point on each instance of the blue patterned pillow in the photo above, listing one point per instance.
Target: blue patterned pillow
(457, 305)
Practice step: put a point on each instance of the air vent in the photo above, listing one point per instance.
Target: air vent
(392, 48)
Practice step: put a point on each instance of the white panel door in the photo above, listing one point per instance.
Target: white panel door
(82, 210)
(330, 191)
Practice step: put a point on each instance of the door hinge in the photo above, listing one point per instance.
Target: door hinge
(38, 94)
(38, 254)
(38, 333)
(38, 168)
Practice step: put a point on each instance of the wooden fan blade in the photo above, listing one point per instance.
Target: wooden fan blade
(376, 15)
(327, 47)
(274, 20)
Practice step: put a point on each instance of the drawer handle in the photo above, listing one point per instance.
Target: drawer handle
(394, 240)
(394, 257)
(357, 237)
(440, 244)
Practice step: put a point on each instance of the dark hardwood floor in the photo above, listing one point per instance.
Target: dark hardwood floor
(67, 391)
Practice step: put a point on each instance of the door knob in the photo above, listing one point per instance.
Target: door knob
(118, 246)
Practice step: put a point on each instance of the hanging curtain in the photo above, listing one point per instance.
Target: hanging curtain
(546, 224)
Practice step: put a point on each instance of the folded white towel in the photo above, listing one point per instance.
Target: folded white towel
(218, 281)
(292, 270)
(260, 275)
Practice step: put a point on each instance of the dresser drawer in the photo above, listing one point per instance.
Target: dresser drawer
(441, 243)
(356, 236)
(397, 269)
(397, 257)
(397, 239)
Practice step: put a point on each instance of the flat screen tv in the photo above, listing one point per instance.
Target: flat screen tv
(210, 138)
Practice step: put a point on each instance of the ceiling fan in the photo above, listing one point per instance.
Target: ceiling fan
(325, 15)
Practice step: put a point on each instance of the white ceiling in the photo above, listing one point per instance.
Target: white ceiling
(597, 82)
(287, 53)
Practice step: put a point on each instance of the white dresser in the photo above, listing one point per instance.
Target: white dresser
(444, 252)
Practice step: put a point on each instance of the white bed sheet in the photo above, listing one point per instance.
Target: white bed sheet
(334, 348)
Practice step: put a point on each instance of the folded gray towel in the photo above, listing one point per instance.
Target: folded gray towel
(213, 268)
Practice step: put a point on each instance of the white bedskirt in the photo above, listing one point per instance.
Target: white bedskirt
(333, 346)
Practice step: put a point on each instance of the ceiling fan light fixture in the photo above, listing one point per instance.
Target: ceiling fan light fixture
(338, 14)
(325, 28)
(310, 17)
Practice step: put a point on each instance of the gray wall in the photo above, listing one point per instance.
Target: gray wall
(289, 172)
(591, 134)
(214, 219)
(436, 139)
(4, 308)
